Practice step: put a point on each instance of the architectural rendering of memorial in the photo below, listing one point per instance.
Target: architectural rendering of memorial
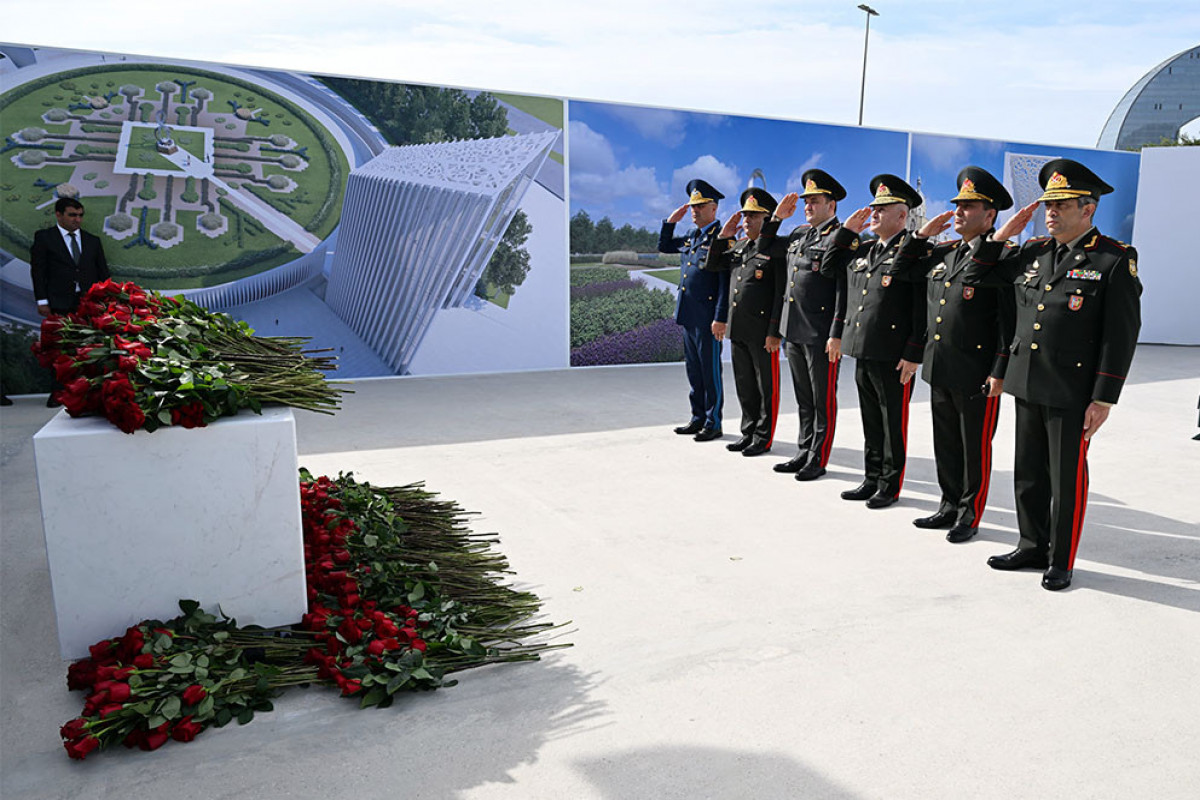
(421, 223)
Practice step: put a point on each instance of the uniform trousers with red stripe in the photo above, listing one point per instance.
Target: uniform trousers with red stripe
(756, 376)
(964, 424)
(883, 403)
(1051, 480)
(814, 378)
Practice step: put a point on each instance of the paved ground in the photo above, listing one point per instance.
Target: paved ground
(737, 635)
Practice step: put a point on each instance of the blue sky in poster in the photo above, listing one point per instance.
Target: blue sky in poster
(632, 163)
(936, 161)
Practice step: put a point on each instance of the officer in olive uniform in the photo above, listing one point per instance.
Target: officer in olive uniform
(966, 349)
(885, 333)
(814, 310)
(1078, 315)
(756, 302)
(702, 304)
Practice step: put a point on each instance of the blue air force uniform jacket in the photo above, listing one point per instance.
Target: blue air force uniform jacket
(703, 296)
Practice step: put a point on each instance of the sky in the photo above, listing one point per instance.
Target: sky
(1015, 70)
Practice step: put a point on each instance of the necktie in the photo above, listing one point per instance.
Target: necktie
(1060, 255)
(74, 248)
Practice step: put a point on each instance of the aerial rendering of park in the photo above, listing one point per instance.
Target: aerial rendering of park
(194, 178)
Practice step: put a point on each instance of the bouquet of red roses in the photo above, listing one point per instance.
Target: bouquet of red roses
(144, 360)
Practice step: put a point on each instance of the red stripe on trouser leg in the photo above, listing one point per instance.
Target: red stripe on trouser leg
(908, 390)
(830, 412)
(990, 417)
(774, 395)
(1081, 493)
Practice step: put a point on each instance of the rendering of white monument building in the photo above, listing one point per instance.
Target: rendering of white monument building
(419, 225)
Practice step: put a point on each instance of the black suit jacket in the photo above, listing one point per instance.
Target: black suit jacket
(1077, 321)
(814, 295)
(55, 275)
(968, 328)
(885, 308)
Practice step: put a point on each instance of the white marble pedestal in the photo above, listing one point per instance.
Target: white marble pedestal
(134, 523)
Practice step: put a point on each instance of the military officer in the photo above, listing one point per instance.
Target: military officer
(966, 349)
(756, 302)
(885, 334)
(701, 308)
(1078, 314)
(814, 310)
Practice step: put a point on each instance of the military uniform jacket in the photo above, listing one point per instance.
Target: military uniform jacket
(814, 295)
(968, 328)
(885, 310)
(703, 296)
(1077, 322)
(756, 287)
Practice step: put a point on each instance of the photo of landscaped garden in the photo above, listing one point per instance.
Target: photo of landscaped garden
(192, 178)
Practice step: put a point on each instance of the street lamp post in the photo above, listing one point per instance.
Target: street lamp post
(866, 40)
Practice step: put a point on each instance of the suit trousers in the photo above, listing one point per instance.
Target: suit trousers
(883, 403)
(756, 376)
(702, 355)
(814, 379)
(963, 427)
(1051, 480)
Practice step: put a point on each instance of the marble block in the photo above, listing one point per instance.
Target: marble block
(134, 523)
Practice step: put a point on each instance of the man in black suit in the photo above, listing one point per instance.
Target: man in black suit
(64, 262)
(885, 334)
(1078, 315)
(814, 311)
(966, 349)
(756, 301)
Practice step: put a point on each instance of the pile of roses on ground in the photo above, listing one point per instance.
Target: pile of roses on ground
(400, 593)
(144, 360)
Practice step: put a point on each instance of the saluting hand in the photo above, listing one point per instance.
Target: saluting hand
(787, 206)
(731, 226)
(678, 214)
(858, 220)
(936, 225)
(1016, 223)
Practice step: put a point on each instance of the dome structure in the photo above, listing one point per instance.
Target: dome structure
(1158, 106)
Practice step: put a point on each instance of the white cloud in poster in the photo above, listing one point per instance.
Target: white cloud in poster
(795, 181)
(656, 124)
(944, 153)
(722, 176)
(590, 151)
(596, 180)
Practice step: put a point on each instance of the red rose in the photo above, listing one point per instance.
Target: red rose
(417, 644)
(111, 708)
(119, 692)
(51, 325)
(73, 729)
(350, 631)
(189, 416)
(81, 674)
(78, 397)
(143, 661)
(194, 694)
(156, 738)
(64, 368)
(375, 648)
(102, 651)
(127, 363)
(350, 687)
(185, 730)
(79, 748)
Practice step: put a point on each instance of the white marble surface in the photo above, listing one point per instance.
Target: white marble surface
(134, 523)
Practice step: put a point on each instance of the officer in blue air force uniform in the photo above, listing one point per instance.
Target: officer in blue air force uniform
(702, 304)
(1078, 315)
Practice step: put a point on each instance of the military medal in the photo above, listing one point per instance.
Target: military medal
(887, 280)
(1075, 302)
(968, 292)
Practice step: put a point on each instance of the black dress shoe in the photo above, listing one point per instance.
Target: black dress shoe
(811, 472)
(865, 489)
(1056, 579)
(691, 428)
(961, 532)
(881, 499)
(740, 445)
(1020, 559)
(52, 403)
(5, 400)
(756, 449)
(942, 519)
(707, 434)
(792, 465)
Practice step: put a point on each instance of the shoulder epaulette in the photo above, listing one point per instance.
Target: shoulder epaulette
(1101, 238)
